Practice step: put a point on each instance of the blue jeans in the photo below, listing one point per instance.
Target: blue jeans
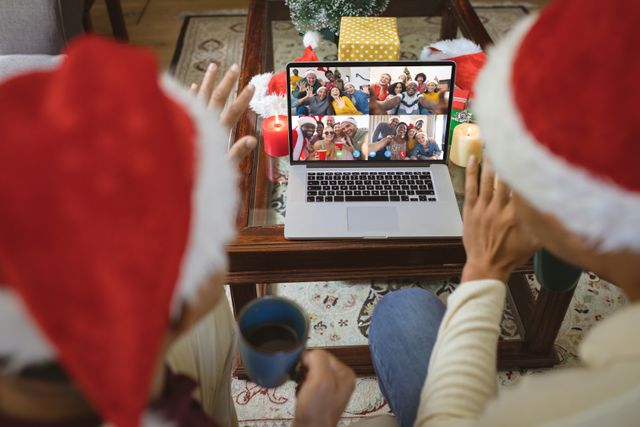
(403, 330)
(302, 110)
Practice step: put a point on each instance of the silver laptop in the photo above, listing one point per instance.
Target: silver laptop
(368, 147)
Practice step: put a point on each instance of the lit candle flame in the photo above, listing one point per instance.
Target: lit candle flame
(468, 131)
(278, 120)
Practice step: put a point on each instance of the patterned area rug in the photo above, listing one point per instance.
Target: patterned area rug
(340, 312)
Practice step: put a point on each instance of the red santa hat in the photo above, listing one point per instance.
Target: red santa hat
(566, 146)
(116, 200)
(467, 55)
(271, 89)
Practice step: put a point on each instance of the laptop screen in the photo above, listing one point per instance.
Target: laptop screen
(392, 111)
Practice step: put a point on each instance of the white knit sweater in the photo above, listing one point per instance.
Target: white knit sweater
(461, 387)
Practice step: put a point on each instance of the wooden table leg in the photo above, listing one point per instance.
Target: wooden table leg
(548, 314)
(242, 295)
(116, 17)
(449, 25)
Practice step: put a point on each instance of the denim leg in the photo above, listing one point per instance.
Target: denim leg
(302, 110)
(403, 330)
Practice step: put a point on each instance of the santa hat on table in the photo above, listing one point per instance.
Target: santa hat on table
(116, 200)
(554, 131)
(271, 89)
(467, 55)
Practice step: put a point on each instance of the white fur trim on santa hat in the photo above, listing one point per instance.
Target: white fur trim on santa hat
(306, 120)
(445, 49)
(350, 120)
(20, 338)
(311, 38)
(214, 198)
(264, 104)
(602, 212)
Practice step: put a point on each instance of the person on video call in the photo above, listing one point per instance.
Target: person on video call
(421, 78)
(411, 141)
(425, 149)
(318, 135)
(358, 98)
(125, 201)
(310, 80)
(341, 139)
(396, 88)
(302, 136)
(356, 137)
(341, 104)
(381, 88)
(325, 143)
(410, 101)
(310, 104)
(385, 129)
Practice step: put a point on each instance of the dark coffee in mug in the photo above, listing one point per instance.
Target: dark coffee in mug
(273, 335)
(270, 338)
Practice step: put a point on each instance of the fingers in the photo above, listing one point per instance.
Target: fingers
(322, 364)
(241, 148)
(471, 182)
(502, 193)
(206, 87)
(193, 90)
(221, 93)
(232, 114)
(486, 182)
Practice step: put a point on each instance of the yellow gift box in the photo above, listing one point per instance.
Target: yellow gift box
(368, 39)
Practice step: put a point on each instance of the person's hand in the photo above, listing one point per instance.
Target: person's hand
(494, 240)
(216, 98)
(325, 391)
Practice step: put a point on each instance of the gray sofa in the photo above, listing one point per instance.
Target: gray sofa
(34, 32)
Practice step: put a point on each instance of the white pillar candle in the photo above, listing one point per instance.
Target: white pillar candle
(464, 143)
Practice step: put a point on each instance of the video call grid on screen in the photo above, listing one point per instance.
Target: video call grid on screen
(332, 117)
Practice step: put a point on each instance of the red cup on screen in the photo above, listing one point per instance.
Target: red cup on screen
(339, 145)
(322, 154)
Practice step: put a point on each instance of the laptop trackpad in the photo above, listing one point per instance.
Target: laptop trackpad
(372, 219)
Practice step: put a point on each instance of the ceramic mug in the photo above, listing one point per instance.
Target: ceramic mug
(273, 335)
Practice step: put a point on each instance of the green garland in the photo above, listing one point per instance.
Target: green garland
(309, 15)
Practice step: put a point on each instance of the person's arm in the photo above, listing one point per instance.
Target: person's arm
(375, 146)
(428, 104)
(462, 368)
(377, 134)
(391, 102)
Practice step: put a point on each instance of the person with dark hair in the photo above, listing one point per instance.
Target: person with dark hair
(358, 98)
(425, 149)
(421, 78)
(398, 146)
(396, 88)
(319, 132)
(342, 105)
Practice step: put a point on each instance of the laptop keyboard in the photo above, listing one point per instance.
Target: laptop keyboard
(370, 186)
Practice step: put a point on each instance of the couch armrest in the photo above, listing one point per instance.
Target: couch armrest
(39, 26)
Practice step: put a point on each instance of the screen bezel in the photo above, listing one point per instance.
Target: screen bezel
(367, 163)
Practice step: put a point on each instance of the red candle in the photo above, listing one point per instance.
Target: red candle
(275, 134)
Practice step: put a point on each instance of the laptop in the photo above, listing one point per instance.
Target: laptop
(368, 150)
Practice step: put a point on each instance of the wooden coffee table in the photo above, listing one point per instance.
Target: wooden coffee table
(261, 255)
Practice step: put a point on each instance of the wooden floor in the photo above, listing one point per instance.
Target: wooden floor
(157, 23)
